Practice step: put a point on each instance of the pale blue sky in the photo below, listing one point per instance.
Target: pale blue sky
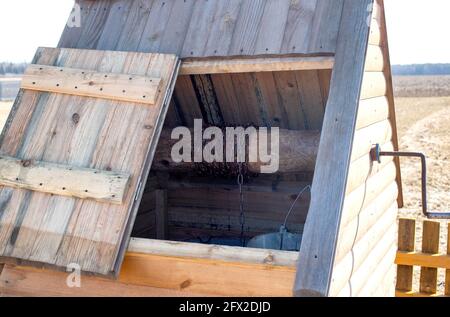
(418, 29)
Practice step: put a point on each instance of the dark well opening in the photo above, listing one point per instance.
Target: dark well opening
(202, 204)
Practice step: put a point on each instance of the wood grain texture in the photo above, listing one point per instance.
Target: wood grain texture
(253, 65)
(202, 28)
(64, 180)
(82, 82)
(381, 15)
(317, 251)
(430, 245)
(88, 133)
(406, 242)
(29, 282)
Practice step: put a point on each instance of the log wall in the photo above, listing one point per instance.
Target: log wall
(365, 254)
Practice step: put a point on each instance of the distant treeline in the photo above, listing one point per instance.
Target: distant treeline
(421, 69)
(12, 68)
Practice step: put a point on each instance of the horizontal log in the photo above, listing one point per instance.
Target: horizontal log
(298, 152)
(83, 82)
(64, 180)
(354, 230)
(375, 61)
(366, 138)
(253, 65)
(365, 167)
(364, 195)
(372, 111)
(423, 260)
(347, 265)
(374, 85)
(213, 252)
(375, 33)
(363, 247)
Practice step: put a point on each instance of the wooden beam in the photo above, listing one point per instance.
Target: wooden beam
(31, 282)
(254, 65)
(320, 236)
(437, 261)
(213, 252)
(406, 243)
(430, 245)
(207, 276)
(64, 180)
(82, 82)
(390, 95)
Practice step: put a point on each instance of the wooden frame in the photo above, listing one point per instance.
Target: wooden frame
(174, 268)
(255, 65)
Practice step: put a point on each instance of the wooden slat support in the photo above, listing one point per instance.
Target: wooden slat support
(161, 210)
(82, 82)
(430, 245)
(406, 242)
(255, 65)
(64, 180)
(423, 259)
(316, 263)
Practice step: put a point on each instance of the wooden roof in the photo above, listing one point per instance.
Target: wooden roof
(200, 28)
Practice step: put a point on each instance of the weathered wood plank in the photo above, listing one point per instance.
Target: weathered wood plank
(330, 181)
(253, 65)
(82, 82)
(406, 242)
(64, 180)
(430, 245)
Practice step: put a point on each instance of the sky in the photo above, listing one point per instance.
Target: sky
(418, 29)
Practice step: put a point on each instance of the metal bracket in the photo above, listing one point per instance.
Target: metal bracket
(376, 155)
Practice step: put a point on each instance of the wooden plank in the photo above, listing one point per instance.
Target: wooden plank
(299, 26)
(430, 245)
(38, 227)
(221, 278)
(82, 82)
(213, 252)
(366, 138)
(253, 65)
(406, 242)
(447, 272)
(390, 96)
(415, 294)
(375, 33)
(64, 180)
(330, 181)
(324, 35)
(374, 85)
(372, 111)
(29, 282)
(423, 259)
(162, 217)
(375, 61)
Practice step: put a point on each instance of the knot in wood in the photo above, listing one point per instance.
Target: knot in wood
(26, 163)
(76, 118)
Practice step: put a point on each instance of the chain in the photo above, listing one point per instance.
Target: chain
(240, 181)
